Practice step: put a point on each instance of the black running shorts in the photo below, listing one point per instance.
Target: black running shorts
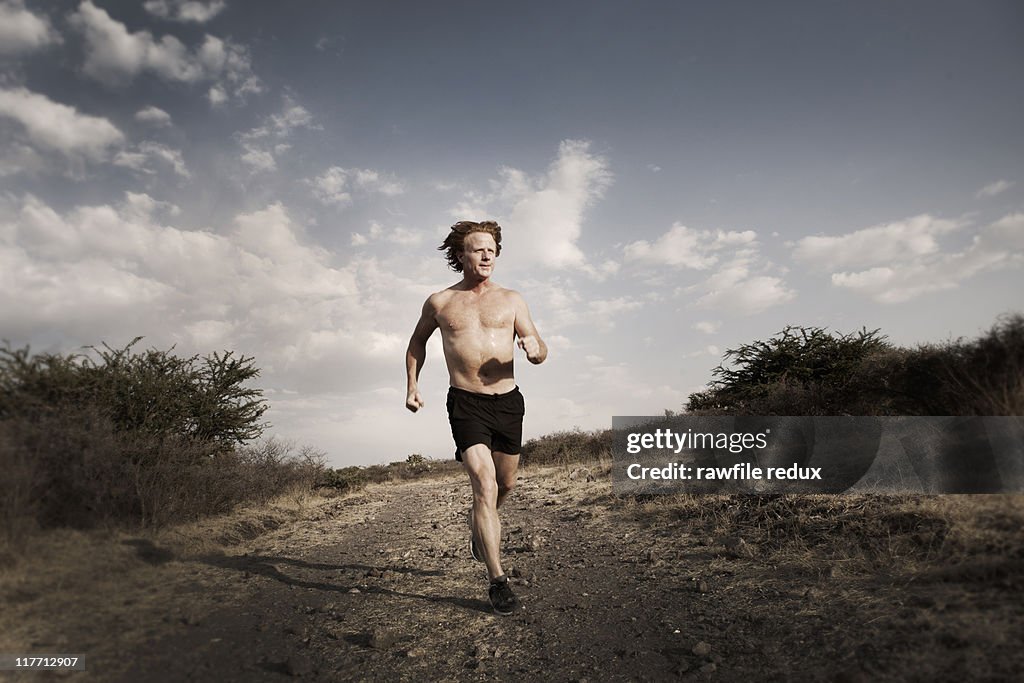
(495, 420)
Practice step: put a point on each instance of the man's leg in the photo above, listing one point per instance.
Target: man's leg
(480, 464)
(506, 467)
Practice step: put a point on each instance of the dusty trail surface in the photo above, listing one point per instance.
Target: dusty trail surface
(380, 586)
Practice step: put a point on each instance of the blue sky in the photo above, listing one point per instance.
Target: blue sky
(674, 179)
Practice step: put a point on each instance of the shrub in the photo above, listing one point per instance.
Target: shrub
(807, 371)
(154, 392)
(136, 439)
(799, 371)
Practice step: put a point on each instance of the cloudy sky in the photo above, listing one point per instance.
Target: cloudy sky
(674, 179)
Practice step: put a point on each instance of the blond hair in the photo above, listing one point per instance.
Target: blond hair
(454, 243)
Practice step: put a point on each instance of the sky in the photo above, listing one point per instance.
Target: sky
(673, 180)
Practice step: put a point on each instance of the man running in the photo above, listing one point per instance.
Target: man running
(479, 321)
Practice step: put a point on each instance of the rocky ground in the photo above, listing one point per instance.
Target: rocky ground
(379, 586)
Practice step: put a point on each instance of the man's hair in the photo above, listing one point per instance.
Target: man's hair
(454, 243)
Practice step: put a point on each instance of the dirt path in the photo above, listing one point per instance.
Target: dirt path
(379, 586)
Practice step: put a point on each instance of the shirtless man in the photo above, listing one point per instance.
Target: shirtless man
(479, 321)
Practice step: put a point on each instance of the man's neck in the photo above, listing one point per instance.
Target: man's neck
(474, 284)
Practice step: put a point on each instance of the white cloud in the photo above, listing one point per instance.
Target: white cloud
(115, 271)
(910, 275)
(185, 10)
(1006, 233)
(992, 189)
(734, 288)
(545, 213)
(397, 236)
(262, 144)
(333, 185)
(372, 181)
(153, 115)
(20, 158)
(739, 285)
(149, 151)
(876, 245)
(330, 187)
(114, 55)
(58, 127)
(216, 96)
(687, 248)
(22, 31)
(259, 159)
(708, 326)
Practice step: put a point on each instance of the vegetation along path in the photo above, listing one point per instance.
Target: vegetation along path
(379, 586)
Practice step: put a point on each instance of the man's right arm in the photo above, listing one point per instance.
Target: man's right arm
(416, 354)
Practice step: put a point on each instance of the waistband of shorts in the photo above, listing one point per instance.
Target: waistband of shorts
(473, 394)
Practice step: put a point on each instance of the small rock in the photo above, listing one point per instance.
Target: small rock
(191, 619)
(354, 590)
(737, 547)
(709, 668)
(702, 586)
(382, 639)
(702, 649)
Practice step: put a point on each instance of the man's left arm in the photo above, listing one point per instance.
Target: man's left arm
(529, 339)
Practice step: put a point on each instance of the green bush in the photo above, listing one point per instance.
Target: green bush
(808, 371)
(134, 439)
(799, 371)
(153, 392)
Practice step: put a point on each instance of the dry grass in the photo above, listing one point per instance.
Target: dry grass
(910, 536)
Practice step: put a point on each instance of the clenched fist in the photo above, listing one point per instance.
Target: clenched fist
(414, 401)
(532, 348)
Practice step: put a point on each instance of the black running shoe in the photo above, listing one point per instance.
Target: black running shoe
(503, 600)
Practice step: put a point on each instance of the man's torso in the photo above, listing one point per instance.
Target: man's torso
(478, 334)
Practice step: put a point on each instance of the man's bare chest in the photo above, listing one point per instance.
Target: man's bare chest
(465, 315)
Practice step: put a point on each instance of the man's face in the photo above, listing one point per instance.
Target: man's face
(478, 253)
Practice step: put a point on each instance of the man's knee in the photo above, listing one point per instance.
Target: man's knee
(506, 484)
(486, 488)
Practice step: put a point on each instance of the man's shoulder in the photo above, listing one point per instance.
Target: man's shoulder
(439, 300)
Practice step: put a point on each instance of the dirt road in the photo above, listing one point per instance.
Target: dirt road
(379, 586)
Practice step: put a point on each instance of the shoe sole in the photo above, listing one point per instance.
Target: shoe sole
(506, 613)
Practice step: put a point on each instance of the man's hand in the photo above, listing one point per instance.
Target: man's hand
(414, 401)
(531, 346)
